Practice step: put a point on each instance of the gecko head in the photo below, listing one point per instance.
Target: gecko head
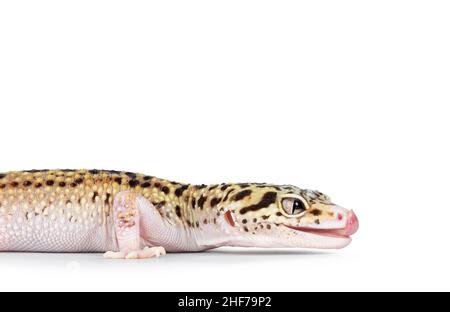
(286, 216)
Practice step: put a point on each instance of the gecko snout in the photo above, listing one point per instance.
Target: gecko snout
(352, 224)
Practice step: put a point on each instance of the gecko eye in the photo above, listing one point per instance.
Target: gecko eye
(294, 206)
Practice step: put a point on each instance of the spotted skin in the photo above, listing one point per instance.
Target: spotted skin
(78, 210)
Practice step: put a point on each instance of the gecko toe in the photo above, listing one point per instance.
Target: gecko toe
(150, 252)
(114, 255)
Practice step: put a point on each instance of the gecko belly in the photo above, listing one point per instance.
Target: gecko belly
(47, 234)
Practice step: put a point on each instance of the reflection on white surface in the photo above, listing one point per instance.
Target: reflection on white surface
(220, 269)
(224, 256)
(225, 269)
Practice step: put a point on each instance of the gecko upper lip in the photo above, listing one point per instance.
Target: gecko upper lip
(351, 227)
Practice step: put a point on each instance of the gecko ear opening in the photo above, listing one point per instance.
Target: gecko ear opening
(229, 218)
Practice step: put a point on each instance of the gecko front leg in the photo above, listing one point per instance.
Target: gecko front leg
(127, 209)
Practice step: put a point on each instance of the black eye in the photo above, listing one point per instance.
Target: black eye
(293, 206)
(298, 207)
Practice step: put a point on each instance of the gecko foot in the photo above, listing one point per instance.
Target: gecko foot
(146, 253)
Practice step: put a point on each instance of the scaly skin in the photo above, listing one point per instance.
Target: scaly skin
(128, 214)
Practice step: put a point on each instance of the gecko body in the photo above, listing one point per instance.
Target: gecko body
(129, 215)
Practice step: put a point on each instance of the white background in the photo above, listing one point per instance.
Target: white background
(348, 97)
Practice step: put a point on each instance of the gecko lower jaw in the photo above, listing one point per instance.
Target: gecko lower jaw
(351, 227)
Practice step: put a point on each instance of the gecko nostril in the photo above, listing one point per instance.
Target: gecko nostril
(339, 216)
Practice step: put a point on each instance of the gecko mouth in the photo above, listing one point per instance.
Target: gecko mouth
(336, 233)
(350, 228)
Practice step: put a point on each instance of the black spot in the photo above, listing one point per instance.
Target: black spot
(201, 186)
(268, 226)
(108, 196)
(2, 175)
(213, 187)
(161, 204)
(279, 214)
(179, 191)
(255, 220)
(228, 194)
(67, 170)
(38, 185)
(2, 186)
(242, 195)
(245, 229)
(157, 185)
(50, 182)
(316, 212)
(94, 171)
(79, 181)
(265, 217)
(244, 185)
(317, 221)
(268, 199)
(244, 221)
(14, 184)
(197, 223)
(27, 183)
(205, 221)
(215, 201)
(193, 203)
(224, 187)
(118, 180)
(62, 184)
(94, 196)
(147, 178)
(145, 184)
(133, 183)
(165, 190)
(131, 175)
(201, 201)
(178, 211)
